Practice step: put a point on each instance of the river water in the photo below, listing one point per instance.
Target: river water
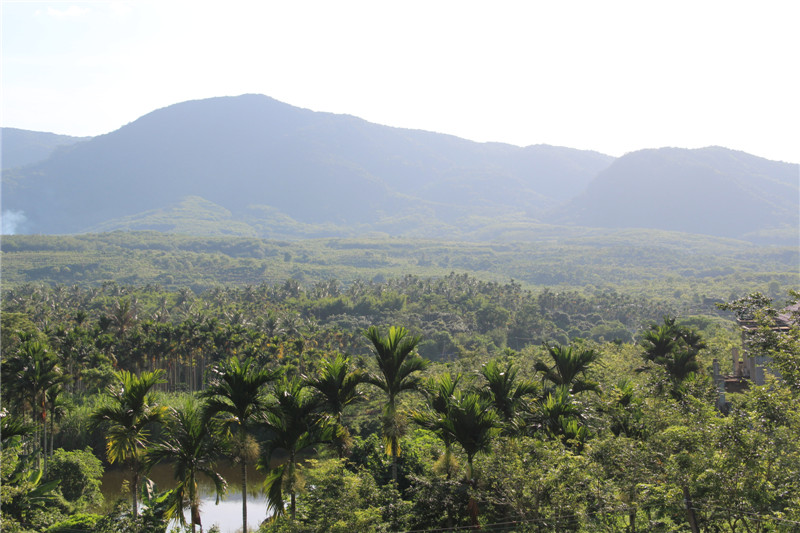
(227, 515)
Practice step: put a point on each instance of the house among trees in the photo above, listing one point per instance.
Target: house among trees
(750, 368)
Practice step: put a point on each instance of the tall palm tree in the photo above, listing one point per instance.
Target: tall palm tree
(294, 427)
(506, 393)
(466, 418)
(397, 361)
(34, 372)
(569, 368)
(192, 450)
(57, 407)
(439, 392)
(236, 391)
(336, 386)
(128, 413)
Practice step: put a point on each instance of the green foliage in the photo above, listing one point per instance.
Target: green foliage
(337, 499)
(77, 523)
(544, 485)
(653, 264)
(337, 387)
(625, 459)
(128, 415)
(152, 519)
(569, 368)
(674, 348)
(79, 474)
(507, 394)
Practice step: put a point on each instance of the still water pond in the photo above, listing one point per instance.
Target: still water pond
(227, 515)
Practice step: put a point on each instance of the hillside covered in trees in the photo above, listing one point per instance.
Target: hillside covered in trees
(255, 167)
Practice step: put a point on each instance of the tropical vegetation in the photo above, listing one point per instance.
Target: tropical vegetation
(406, 404)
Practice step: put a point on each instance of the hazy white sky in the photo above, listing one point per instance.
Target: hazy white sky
(612, 76)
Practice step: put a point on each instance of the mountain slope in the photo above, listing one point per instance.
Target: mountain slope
(252, 151)
(712, 191)
(253, 166)
(23, 147)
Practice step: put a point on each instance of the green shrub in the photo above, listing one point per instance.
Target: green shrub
(80, 474)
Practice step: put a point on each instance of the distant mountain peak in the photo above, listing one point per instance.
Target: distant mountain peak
(712, 190)
(278, 169)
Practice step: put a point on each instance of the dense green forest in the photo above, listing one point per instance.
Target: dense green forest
(676, 267)
(408, 403)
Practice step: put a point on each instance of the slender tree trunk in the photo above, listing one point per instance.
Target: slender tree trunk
(472, 506)
(195, 506)
(52, 432)
(292, 499)
(135, 491)
(244, 494)
(690, 515)
(44, 438)
(394, 460)
(447, 460)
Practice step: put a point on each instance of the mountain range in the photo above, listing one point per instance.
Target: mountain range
(253, 166)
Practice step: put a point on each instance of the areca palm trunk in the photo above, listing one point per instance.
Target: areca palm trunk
(473, 504)
(293, 501)
(394, 459)
(244, 489)
(195, 505)
(52, 432)
(135, 490)
(44, 436)
(391, 430)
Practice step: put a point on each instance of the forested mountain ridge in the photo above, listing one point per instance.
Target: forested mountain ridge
(724, 192)
(249, 152)
(253, 166)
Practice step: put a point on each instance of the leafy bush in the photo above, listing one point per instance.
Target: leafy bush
(80, 474)
(82, 522)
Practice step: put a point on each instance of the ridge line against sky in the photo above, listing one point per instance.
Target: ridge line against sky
(614, 76)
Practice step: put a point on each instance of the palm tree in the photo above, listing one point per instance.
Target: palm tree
(397, 361)
(336, 386)
(466, 418)
(35, 372)
(123, 316)
(236, 390)
(294, 428)
(472, 423)
(192, 449)
(674, 348)
(128, 414)
(57, 407)
(506, 394)
(569, 368)
(624, 409)
(558, 411)
(439, 393)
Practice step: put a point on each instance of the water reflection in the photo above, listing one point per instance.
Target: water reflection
(227, 515)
